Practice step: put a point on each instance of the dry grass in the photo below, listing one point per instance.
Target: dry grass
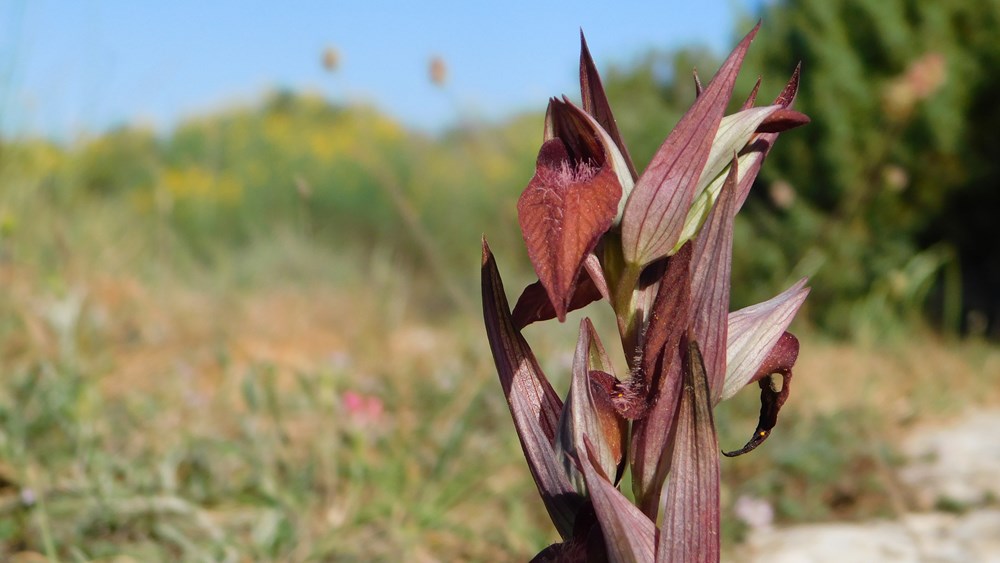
(225, 410)
(925, 378)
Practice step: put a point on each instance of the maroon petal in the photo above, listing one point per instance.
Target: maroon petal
(533, 403)
(660, 377)
(762, 143)
(782, 120)
(658, 205)
(595, 101)
(569, 203)
(651, 447)
(787, 96)
(752, 98)
(628, 534)
(588, 409)
(534, 304)
(753, 333)
(774, 378)
(711, 264)
(691, 514)
(668, 319)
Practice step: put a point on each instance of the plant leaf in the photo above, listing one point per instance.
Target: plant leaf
(691, 512)
(568, 204)
(595, 102)
(711, 264)
(773, 391)
(533, 403)
(629, 535)
(658, 205)
(754, 331)
(589, 410)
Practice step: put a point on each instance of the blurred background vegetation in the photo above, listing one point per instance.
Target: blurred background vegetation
(887, 199)
(221, 290)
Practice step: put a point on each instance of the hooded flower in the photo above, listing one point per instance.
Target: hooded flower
(658, 247)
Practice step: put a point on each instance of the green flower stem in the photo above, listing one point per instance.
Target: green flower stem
(629, 322)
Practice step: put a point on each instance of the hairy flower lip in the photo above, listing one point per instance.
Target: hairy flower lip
(569, 203)
(556, 167)
(577, 131)
(587, 136)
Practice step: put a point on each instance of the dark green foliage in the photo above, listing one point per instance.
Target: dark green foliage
(896, 177)
(888, 197)
(114, 162)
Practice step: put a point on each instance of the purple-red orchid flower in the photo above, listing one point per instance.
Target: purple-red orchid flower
(658, 247)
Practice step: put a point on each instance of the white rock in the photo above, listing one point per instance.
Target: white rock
(832, 543)
(917, 538)
(958, 463)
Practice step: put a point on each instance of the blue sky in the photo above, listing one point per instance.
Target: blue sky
(68, 67)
